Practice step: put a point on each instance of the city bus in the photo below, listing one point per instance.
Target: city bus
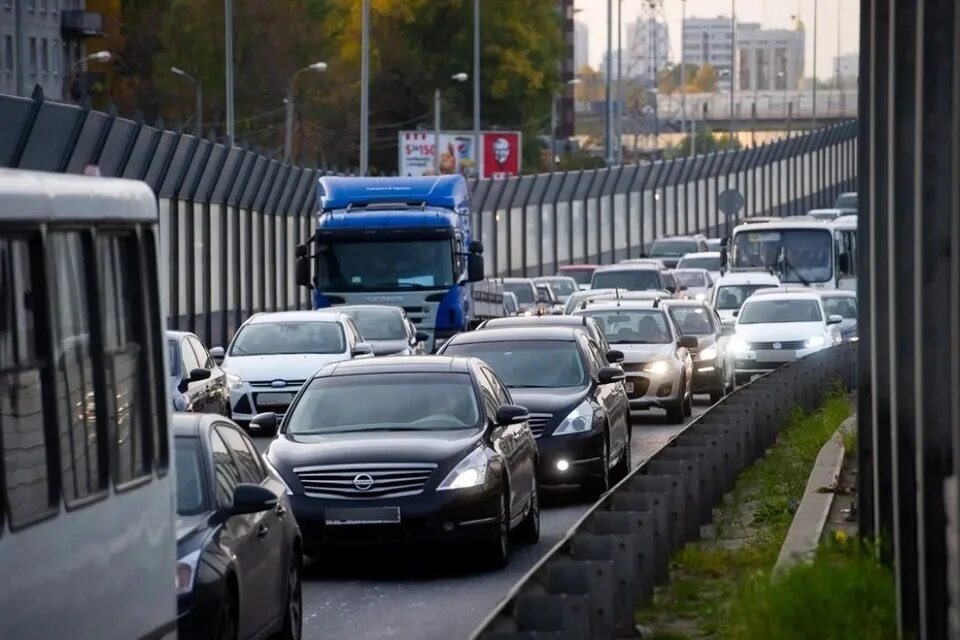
(87, 542)
(845, 236)
(807, 252)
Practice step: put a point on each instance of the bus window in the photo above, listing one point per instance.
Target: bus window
(847, 245)
(26, 449)
(154, 328)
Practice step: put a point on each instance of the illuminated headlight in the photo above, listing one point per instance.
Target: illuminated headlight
(469, 472)
(657, 367)
(526, 312)
(580, 420)
(269, 465)
(187, 571)
(815, 342)
(708, 354)
(234, 382)
(855, 339)
(738, 344)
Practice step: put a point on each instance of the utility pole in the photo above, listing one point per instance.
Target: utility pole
(436, 131)
(476, 88)
(18, 43)
(683, 71)
(608, 137)
(619, 142)
(814, 119)
(553, 134)
(365, 88)
(228, 15)
(733, 63)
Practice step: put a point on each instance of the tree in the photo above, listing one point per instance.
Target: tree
(705, 80)
(707, 142)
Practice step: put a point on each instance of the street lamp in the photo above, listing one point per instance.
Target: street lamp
(318, 67)
(99, 56)
(457, 77)
(553, 123)
(198, 88)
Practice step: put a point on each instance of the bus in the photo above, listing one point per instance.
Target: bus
(845, 237)
(87, 541)
(807, 252)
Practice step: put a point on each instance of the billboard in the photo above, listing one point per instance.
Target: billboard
(500, 157)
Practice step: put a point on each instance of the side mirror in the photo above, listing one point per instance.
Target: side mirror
(301, 269)
(476, 247)
(688, 342)
(217, 353)
(834, 319)
(265, 424)
(610, 375)
(361, 349)
(727, 330)
(614, 356)
(474, 267)
(251, 498)
(196, 375)
(421, 336)
(736, 313)
(508, 414)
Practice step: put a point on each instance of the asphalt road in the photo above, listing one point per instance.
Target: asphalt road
(418, 594)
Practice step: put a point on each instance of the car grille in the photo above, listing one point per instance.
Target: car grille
(640, 386)
(390, 479)
(768, 346)
(268, 383)
(538, 422)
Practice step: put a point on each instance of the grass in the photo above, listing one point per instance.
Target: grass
(708, 577)
(849, 436)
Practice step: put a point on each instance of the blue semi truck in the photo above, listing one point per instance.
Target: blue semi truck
(403, 242)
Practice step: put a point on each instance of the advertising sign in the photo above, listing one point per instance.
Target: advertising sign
(500, 157)
(501, 154)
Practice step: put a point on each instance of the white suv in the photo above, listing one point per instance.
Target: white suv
(273, 354)
(733, 288)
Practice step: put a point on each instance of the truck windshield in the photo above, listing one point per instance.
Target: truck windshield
(807, 254)
(399, 265)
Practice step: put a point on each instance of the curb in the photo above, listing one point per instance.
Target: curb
(811, 516)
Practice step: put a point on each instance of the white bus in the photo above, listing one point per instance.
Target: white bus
(87, 544)
(845, 236)
(805, 252)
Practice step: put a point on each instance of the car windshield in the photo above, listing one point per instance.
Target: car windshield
(562, 287)
(846, 201)
(710, 263)
(629, 279)
(400, 265)
(841, 306)
(800, 255)
(731, 297)
(528, 363)
(379, 324)
(581, 276)
(633, 326)
(288, 337)
(693, 320)
(690, 279)
(824, 215)
(672, 248)
(173, 357)
(385, 402)
(775, 311)
(190, 493)
(523, 291)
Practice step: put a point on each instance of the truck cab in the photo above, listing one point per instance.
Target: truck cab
(403, 242)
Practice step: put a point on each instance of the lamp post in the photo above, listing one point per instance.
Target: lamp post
(457, 77)
(683, 71)
(814, 114)
(476, 87)
(99, 56)
(553, 123)
(228, 28)
(364, 87)
(198, 90)
(608, 122)
(318, 67)
(733, 63)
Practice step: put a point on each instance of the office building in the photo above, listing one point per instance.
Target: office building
(769, 59)
(648, 50)
(565, 107)
(847, 66)
(710, 41)
(581, 46)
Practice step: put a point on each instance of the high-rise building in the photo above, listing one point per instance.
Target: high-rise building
(648, 50)
(710, 41)
(40, 44)
(581, 46)
(769, 59)
(848, 68)
(610, 62)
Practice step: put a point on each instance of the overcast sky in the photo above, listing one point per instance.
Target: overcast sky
(770, 13)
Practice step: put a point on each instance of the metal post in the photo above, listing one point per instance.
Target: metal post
(814, 121)
(18, 42)
(365, 88)
(199, 116)
(288, 137)
(228, 14)
(553, 134)
(619, 141)
(608, 124)
(436, 131)
(476, 88)
(733, 63)
(683, 73)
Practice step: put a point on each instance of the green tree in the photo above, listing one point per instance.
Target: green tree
(707, 142)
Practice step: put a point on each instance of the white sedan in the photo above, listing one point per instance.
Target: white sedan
(778, 328)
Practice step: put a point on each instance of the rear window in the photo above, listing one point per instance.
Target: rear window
(690, 279)
(710, 263)
(672, 248)
(582, 276)
(379, 324)
(523, 291)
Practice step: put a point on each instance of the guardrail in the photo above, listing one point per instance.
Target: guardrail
(590, 584)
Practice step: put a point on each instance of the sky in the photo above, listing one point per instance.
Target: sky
(769, 13)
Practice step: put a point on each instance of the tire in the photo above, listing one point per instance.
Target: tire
(716, 396)
(528, 531)
(688, 402)
(596, 487)
(496, 552)
(675, 412)
(227, 617)
(623, 465)
(293, 605)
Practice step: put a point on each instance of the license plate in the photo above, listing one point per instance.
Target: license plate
(776, 356)
(749, 355)
(366, 515)
(628, 386)
(274, 399)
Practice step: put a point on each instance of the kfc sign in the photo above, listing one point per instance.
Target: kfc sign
(501, 154)
(500, 157)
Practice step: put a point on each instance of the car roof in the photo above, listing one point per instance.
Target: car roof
(398, 364)
(748, 277)
(497, 334)
(690, 237)
(650, 294)
(363, 307)
(701, 254)
(572, 267)
(684, 302)
(837, 293)
(613, 305)
(787, 295)
(534, 321)
(629, 266)
(552, 278)
(319, 315)
(796, 222)
(177, 335)
(515, 280)
(689, 270)
(189, 425)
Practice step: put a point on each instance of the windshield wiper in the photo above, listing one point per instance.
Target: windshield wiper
(786, 264)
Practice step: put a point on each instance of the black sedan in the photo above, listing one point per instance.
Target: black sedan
(197, 384)
(579, 411)
(238, 546)
(713, 366)
(402, 449)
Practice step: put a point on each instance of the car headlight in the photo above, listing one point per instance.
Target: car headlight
(708, 354)
(269, 465)
(580, 420)
(738, 344)
(815, 341)
(469, 472)
(657, 367)
(701, 297)
(187, 571)
(234, 382)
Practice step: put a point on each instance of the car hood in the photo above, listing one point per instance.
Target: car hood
(279, 367)
(644, 352)
(546, 400)
(779, 331)
(388, 347)
(288, 451)
(186, 526)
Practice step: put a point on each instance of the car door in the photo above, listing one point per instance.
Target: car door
(212, 388)
(503, 438)
(241, 538)
(193, 392)
(526, 453)
(268, 590)
(612, 397)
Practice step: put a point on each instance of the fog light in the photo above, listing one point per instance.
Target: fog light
(562, 465)
(448, 526)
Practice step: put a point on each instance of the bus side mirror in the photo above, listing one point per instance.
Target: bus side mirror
(301, 251)
(474, 267)
(475, 247)
(302, 271)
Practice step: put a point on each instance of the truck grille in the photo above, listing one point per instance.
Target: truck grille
(389, 479)
(538, 422)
